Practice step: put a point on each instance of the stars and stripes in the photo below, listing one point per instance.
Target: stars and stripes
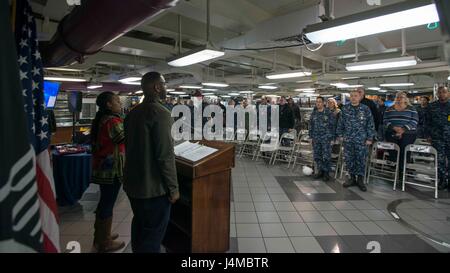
(31, 76)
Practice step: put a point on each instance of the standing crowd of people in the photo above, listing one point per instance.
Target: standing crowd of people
(362, 122)
(137, 152)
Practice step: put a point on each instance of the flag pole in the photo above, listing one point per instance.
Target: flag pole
(13, 15)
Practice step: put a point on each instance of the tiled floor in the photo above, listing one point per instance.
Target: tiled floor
(274, 209)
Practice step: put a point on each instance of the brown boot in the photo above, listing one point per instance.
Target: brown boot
(103, 241)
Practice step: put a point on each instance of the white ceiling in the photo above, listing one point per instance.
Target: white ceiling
(149, 45)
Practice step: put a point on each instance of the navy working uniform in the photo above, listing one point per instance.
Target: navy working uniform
(421, 111)
(437, 126)
(356, 126)
(322, 132)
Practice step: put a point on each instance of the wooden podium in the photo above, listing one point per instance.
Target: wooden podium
(200, 219)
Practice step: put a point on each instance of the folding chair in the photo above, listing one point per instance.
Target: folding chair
(336, 148)
(251, 144)
(340, 162)
(239, 139)
(284, 153)
(266, 148)
(421, 172)
(229, 135)
(303, 152)
(383, 168)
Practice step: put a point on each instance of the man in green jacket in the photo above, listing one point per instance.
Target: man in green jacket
(150, 176)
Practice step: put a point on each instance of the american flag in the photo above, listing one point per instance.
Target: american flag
(32, 78)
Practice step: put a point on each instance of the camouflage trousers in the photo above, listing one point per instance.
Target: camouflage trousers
(443, 149)
(355, 156)
(322, 155)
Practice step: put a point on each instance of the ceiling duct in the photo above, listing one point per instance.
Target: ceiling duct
(94, 24)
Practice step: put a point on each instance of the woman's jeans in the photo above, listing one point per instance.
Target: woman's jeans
(108, 197)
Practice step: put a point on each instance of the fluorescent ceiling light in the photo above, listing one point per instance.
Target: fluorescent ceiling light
(65, 79)
(170, 90)
(209, 89)
(225, 96)
(233, 94)
(246, 92)
(351, 86)
(215, 84)
(195, 56)
(339, 84)
(393, 75)
(350, 78)
(392, 17)
(382, 64)
(448, 78)
(184, 96)
(63, 69)
(309, 91)
(268, 87)
(396, 84)
(288, 74)
(305, 81)
(177, 93)
(190, 86)
(131, 83)
(305, 89)
(374, 88)
(382, 91)
(130, 79)
(139, 92)
(94, 85)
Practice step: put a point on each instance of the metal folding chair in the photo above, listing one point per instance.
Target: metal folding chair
(239, 139)
(336, 148)
(284, 153)
(383, 168)
(251, 144)
(303, 152)
(421, 172)
(266, 148)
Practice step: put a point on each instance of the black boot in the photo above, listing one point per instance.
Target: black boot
(326, 177)
(350, 182)
(361, 184)
(318, 175)
(442, 184)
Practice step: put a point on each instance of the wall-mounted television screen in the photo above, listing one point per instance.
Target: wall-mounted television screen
(51, 90)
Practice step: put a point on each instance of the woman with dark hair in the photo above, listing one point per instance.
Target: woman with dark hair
(108, 159)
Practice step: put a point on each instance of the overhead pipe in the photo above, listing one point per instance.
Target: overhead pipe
(96, 23)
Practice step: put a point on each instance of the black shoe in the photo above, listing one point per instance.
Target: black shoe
(326, 177)
(442, 184)
(319, 175)
(361, 184)
(350, 182)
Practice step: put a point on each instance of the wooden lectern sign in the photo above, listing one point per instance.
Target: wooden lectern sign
(200, 219)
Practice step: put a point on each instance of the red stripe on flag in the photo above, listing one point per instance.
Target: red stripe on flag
(48, 245)
(48, 206)
(45, 191)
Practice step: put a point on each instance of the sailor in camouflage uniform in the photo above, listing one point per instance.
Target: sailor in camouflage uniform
(322, 132)
(437, 126)
(357, 128)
